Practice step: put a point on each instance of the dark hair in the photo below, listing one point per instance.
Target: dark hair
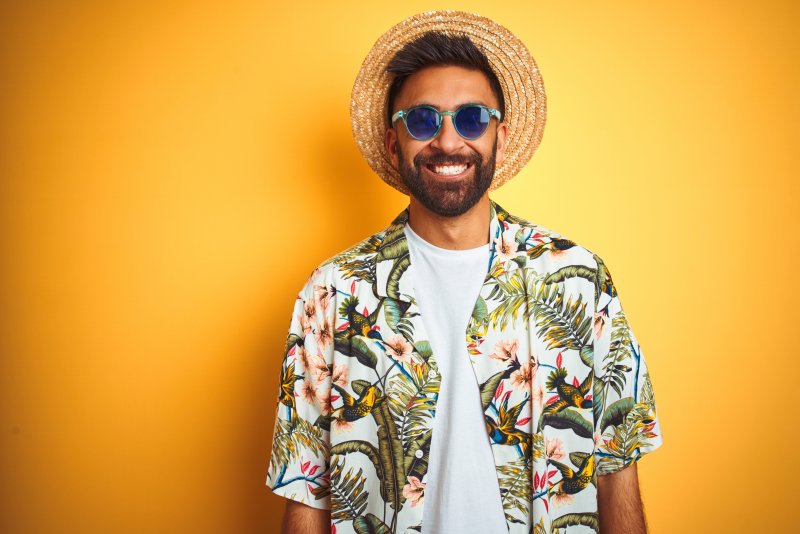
(435, 49)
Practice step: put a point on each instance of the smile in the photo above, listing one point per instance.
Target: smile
(448, 170)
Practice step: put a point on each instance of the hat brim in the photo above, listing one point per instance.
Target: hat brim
(512, 63)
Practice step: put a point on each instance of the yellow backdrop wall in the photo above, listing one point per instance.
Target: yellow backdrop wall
(170, 172)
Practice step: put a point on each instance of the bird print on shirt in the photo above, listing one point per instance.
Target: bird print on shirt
(353, 409)
(568, 394)
(360, 323)
(574, 481)
(504, 431)
(288, 378)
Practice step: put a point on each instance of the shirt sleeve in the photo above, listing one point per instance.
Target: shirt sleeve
(625, 415)
(299, 462)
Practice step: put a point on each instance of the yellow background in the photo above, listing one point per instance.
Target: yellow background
(172, 171)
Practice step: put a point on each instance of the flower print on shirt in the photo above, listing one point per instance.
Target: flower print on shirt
(522, 377)
(323, 295)
(506, 246)
(505, 350)
(340, 375)
(307, 317)
(324, 333)
(399, 348)
(414, 490)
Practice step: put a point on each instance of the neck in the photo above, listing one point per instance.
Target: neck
(469, 230)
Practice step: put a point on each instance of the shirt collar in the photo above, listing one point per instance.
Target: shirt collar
(392, 260)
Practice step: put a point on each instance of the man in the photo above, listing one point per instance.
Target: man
(463, 370)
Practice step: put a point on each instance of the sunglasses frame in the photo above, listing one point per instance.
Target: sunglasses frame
(403, 113)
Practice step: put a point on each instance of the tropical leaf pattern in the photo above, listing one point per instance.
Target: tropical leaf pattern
(563, 384)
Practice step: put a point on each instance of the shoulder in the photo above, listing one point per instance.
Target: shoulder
(555, 258)
(536, 241)
(350, 262)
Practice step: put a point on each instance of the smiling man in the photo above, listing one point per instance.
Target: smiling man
(463, 370)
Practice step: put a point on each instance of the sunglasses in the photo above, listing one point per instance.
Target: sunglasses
(424, 122)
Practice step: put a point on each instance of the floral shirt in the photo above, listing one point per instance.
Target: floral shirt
(563, 384)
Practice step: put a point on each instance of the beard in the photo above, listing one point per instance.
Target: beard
(446, 198)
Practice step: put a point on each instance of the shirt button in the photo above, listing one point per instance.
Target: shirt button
(419, 453)
(431, 373)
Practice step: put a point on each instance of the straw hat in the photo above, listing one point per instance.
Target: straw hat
(511, 62)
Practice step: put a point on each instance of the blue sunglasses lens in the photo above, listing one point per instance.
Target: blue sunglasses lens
(422, 123)
(471, 121)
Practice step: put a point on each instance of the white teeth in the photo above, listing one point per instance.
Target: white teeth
(449, 170)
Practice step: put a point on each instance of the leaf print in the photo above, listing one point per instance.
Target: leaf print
(368, 247)
(563, 322)
(395, 273)
(416, 464)
(568, 419)
(616, 413)
(369, 524)
(587, 355)
(515, 488)
(390, 452)
(361, 351)
(480, 310)
(605, 286)
(364, 447)
(411, 401)
(515, 293)
(627, 438)
(393, 311)
(423, 348)
(360, 270)
(521, 261)
(572, 271)
(348, 500)
(292, 437)
(648, 397)
(394, 245)
(615, 372)
(489, 388)
(587, 519)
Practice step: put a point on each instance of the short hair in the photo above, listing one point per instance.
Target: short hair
(437, 49)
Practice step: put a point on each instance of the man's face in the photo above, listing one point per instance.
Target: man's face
(426, 167)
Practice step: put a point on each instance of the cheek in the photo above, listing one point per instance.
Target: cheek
(408, 150)
(484, 148)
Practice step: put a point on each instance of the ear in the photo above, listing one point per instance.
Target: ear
(502, 134)
(390, 142)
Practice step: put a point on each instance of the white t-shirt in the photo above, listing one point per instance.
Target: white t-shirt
(462, 493)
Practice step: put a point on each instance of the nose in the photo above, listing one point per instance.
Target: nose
(448, 140)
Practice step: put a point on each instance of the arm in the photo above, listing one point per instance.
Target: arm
(619, 503)
(299, 518)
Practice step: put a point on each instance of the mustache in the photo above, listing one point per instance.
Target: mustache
(448, 159)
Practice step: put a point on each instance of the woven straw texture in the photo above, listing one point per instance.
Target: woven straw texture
(513, 65)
